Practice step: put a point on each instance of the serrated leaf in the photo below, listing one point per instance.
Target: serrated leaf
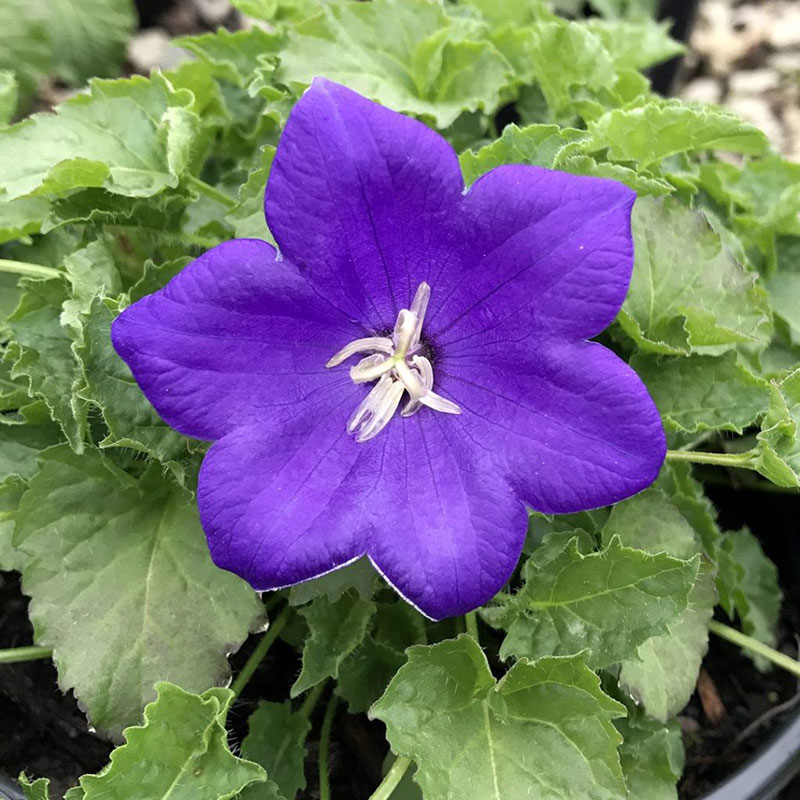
(181, 753)
(20, 446)
(575, 602)
(41, 354)
(544, 730)
(87, 37)
(276, 740)
(652, 758)
(233, 57)
(130, 137)
(406, 54)
(784, 294)
(35, 790)
(22, 217)
(756, 594)
(11, 490)
(656, 130)
(108, 554)
(247, 216)
(703, 393)
(539, 145)
(777, 454)
(131, 419)
(688, 293)
(276, 10)
(636, 45)
(335, 629)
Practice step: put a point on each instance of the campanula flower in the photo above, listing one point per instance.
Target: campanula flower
(410, 370)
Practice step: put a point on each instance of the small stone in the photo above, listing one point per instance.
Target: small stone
(703, 90)
(213, 12)
(757, 111)
(784, 30)
(152, 48)
(754, 81)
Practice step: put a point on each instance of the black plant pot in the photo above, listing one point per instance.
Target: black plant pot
(764, 775)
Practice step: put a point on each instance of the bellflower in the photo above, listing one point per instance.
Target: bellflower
(410, 370)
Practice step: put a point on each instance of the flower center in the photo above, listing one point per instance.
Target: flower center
(398, 367)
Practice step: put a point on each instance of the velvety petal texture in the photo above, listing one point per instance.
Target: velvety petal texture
(523, 268)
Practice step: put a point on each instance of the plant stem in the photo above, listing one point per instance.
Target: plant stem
(472, 625)
(16, 654)
(754, 646)
(741, 460)
(257, 656)
(312, 698)
(28, 270)
(211, 191)
(325, 748)
(391, 779)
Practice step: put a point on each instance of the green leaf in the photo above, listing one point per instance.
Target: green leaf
(778, 447)
(276, 10)
(539, 145)
(406, 54)
(366, 672)
(652, 132)
(703, 393)
(131, 419)
(652, 758)
(335, 629)
(636, 45)
(88, 37)
(664, 672)
(11, 490)
(756, 594)
(688, 294)
(131, 137)
(181, 753)
(247, 216)
(784, 294)
(360, 576)
(20, 446)
(24, 46)
(108, 554)
(22, 217)
(276, 740)
(35, 790)
(233, 57)
(42, 355)
(580, 601)
(543, 731)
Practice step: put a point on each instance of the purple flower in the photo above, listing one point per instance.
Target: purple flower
(410, 371)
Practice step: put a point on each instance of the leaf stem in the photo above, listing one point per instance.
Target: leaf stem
(257, 656)
(28, 270)
(16, 654)
(312, 698)
(741, 460)
(325, 749)
(211, 191)
(471, 621)
(391, 779)
(754, 646)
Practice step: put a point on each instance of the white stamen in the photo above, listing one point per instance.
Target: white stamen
(372, 344)
(398, 367)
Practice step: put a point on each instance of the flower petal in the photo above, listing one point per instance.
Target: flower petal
(285, 501)
(449, 529)
(572, 425)
(233, 337)
(552, 253)
(362, 199)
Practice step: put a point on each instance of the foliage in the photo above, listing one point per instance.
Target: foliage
(105, 199)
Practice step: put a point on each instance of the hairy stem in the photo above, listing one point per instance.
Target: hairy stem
(16, 654)
(210, 191)
(257, 656)
(471, 621)
(754, 646)
(391, 779)
(325, 749)
(28, 270)
(312, 698)
(741, 460)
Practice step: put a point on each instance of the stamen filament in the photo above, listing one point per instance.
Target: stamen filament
(374, 344)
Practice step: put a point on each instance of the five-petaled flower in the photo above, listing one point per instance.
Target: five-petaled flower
(463, 316)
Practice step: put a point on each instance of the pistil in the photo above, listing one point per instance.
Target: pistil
(399, 367)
